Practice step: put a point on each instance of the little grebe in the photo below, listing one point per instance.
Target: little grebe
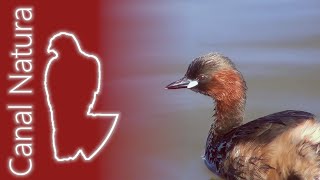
(283, 145)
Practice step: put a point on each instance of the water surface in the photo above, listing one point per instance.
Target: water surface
(275, 44)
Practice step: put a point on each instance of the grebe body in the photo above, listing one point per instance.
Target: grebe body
(283, 145)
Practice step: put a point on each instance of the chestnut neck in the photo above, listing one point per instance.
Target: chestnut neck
(229, 93)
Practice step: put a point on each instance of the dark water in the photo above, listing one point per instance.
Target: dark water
(275, 44)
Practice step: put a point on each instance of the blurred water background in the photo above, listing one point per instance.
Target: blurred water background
(275, 44)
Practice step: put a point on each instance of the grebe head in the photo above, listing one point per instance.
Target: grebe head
(216, 76)
(212, 74)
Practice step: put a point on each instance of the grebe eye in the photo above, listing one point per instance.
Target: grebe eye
(202, 77)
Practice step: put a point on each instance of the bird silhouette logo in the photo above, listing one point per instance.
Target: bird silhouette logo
(72, 83)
